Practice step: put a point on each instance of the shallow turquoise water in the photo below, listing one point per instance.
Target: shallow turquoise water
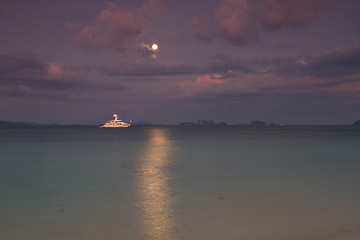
(180, 183)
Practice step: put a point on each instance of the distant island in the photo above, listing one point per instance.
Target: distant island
(18, 124)
(212, 123)
(5, 124)
(357, 123)
(202, 123)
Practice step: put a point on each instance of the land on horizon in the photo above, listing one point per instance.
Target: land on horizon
(207, 123)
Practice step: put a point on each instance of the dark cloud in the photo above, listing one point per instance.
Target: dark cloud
(148, 69)
(225, 64)
(337, 62)
(240, 21)
(331, 76)
(211, 98)
(115, 27)
(27, 70)
(25, 75)
(134, 78)
(20, 63)
(342, 61)
(146, 50)
(280, 14)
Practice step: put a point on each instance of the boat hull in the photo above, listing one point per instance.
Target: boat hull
(115, 126)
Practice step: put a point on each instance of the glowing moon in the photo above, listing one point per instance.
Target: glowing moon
(154, 47)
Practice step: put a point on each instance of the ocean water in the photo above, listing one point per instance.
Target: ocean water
(180, 183)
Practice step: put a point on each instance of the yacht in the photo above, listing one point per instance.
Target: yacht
(116, 123)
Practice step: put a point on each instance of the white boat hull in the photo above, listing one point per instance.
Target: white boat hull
(116, 123)
(116, 126)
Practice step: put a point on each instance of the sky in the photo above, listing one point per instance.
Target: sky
(279, 61)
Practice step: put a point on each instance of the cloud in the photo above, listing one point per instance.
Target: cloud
(324, 71)
(236, 21)
(332, 73)
(280, 14)
(21, 64)
(221, 64)
(267, 89)
(25, 71)
(240, 21)
(329, 65)
(337, 62)
(203, 83)
(115, 27)
(23, 74)
(301, 61)
(147, 69)
(226, 63)
(233, 21)
(230, 84)
(335, 72)
(146, 50)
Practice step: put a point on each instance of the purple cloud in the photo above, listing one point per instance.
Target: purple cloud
(240, 21)
(334, 72)
(338, 62)
(115, 26)
(221, 64)
(25, 75)
(280, 14)
(21, 64)
(148, 69)
(225, 64)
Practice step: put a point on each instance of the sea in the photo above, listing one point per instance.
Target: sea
(180, 183)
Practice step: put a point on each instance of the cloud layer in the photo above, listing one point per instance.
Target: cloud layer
(240, 21)
(317, 79)
(23, 74)
(335, 71)
(115, 27)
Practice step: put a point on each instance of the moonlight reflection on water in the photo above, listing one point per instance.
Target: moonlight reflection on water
(154, 193)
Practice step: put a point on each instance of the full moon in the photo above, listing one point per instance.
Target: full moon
(154, 47)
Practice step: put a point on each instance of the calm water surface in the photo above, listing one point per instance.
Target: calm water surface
(180, 183)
